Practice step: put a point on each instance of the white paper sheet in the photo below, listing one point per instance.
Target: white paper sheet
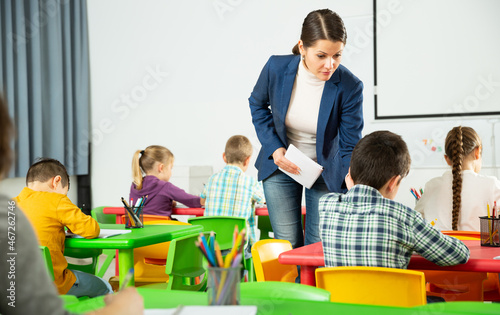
(205, 310)
(309, 170)
(105, 233)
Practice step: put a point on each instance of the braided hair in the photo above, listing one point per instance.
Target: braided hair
(460, 142)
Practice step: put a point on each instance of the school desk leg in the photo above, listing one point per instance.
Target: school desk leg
(126, 261)
(307, 275)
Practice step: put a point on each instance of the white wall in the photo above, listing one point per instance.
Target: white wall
(11, 187)
(179, 73)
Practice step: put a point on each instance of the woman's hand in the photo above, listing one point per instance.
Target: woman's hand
(127, 301)
(284, 163)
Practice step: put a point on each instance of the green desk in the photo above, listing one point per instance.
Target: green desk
(125, 243)
(154, 298)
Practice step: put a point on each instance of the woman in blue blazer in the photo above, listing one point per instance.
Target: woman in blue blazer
(311, 101)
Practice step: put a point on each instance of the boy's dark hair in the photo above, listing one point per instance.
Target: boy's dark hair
(378, 157)
(238, 149)
(45, 169)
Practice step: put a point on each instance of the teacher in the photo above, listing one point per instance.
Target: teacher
(310, 100)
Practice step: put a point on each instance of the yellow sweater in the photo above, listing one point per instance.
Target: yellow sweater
(49, 213)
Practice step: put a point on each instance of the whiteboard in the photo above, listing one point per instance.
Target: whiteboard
(437, 58)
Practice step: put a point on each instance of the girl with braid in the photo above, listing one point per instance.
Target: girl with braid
(457, 199)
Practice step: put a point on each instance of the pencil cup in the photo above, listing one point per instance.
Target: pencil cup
(489, 231)
(224, 285)
(134, 218)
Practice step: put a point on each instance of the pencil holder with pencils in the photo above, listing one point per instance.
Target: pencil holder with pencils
(133, 214)
(489, 231)
(134, 218)
(224, 285)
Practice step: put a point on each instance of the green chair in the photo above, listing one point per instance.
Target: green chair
(264, 225)
(83, 253)
(275, 290)
(98, 214)
(223, 226)
(47, 260)
(184, 264)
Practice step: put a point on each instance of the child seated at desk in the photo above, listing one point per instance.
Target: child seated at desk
(156, 163)
(232, 193)
(366, 227)
(457, 199)
(48, 208)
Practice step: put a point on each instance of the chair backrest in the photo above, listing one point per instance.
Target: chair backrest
(101, 217)
(84, 253)
(151, 217)
(47, 260)
(223, 226)
(373, 285)
(464, 235)
(184, 263)
(265, 258)
(274, 290)
(459, 285)
(149, 261)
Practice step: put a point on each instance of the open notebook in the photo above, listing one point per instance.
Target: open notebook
(105, 233)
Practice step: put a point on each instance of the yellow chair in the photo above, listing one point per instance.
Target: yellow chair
(373, 285)
(265, 258)
(460, 285)
(151, 217)
(150, 261)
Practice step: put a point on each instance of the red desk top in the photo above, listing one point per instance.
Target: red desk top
(186, 211)
(481, 258)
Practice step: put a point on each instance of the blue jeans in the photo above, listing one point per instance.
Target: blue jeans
(284, 202)
(89, 285)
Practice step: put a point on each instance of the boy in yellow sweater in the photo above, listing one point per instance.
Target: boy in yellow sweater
(49, 210)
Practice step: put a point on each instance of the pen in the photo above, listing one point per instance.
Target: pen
(413, 193)
(127, 279)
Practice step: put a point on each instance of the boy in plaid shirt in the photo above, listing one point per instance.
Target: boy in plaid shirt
(366, 227)
(232, 193)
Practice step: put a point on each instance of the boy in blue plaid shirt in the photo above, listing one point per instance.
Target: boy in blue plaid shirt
(232, 193)
(366, 227)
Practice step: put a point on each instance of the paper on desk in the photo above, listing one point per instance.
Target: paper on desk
(309, 170)
(206, 310)
(105, 233)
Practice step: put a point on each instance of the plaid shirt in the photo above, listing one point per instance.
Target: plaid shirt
(232, 193)
(362, 228)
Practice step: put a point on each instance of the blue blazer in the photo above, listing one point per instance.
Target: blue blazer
(340, 118)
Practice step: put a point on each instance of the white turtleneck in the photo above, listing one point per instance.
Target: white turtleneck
(302, 116)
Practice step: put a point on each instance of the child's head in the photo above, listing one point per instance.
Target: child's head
(462, 146)
(380, 160)
(48, 175)
(238, 151)
(155, 160)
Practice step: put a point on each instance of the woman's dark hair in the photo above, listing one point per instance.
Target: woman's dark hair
(459, 143)
(6, 133)
(321, 24)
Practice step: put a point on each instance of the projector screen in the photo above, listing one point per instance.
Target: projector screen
(437, 58)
